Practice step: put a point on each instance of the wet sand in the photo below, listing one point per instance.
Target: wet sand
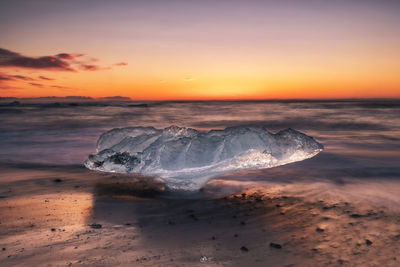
(55, 217)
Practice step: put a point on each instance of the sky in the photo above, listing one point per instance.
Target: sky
(185, 49)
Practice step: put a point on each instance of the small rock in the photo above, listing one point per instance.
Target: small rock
(340, 261)
(95, 226)
(355, 215)
(213, 237)
(243, 223)
(235, 235)
(275, 245)
(318, 229)
(53, 229)
(4, 249)
(368, 242)
(194, 217)
(57, 180)
(243, 248)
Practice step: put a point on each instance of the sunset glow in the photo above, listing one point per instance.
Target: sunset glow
(148, 50)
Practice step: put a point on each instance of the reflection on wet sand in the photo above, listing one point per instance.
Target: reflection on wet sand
(90, 219)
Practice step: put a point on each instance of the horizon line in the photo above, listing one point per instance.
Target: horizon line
(126, 98)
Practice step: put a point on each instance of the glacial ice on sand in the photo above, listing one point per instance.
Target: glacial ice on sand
(186, 159)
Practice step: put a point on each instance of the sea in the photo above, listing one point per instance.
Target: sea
(361, 137)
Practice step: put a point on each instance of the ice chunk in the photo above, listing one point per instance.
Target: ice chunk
(186, 158)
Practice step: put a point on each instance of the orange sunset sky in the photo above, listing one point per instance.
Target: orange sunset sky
(158, 50)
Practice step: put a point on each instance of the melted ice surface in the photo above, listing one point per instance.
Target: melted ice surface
(186, 159)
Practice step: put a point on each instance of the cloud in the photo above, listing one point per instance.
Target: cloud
(24, 78)
(46, 78)
(12, 59)
(60, 62)
(7, 77)
(69, 56)
(36, 84)
(60, 87)
(121, 64)
(90, 67)
(9, 88)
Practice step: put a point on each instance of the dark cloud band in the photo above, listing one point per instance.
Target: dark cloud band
(12, 59)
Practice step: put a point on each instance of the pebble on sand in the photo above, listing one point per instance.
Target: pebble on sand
(95, 226)
(275, 245)
(243, 248)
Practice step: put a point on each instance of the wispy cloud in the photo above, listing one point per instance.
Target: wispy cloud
(69, 56)
(8, 77)
(4, 77)
(68, 62)
(36, 84)
(12, 59)
(46, 78)
(90, 67)
(24, 78)
(121, 64)
(61, 87)
(60, 62)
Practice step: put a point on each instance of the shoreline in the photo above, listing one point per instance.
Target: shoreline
(57, 224)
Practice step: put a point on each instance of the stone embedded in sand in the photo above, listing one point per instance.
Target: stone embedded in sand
(95, 226)
(243, 248)
(275, 245)
(186, 158)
